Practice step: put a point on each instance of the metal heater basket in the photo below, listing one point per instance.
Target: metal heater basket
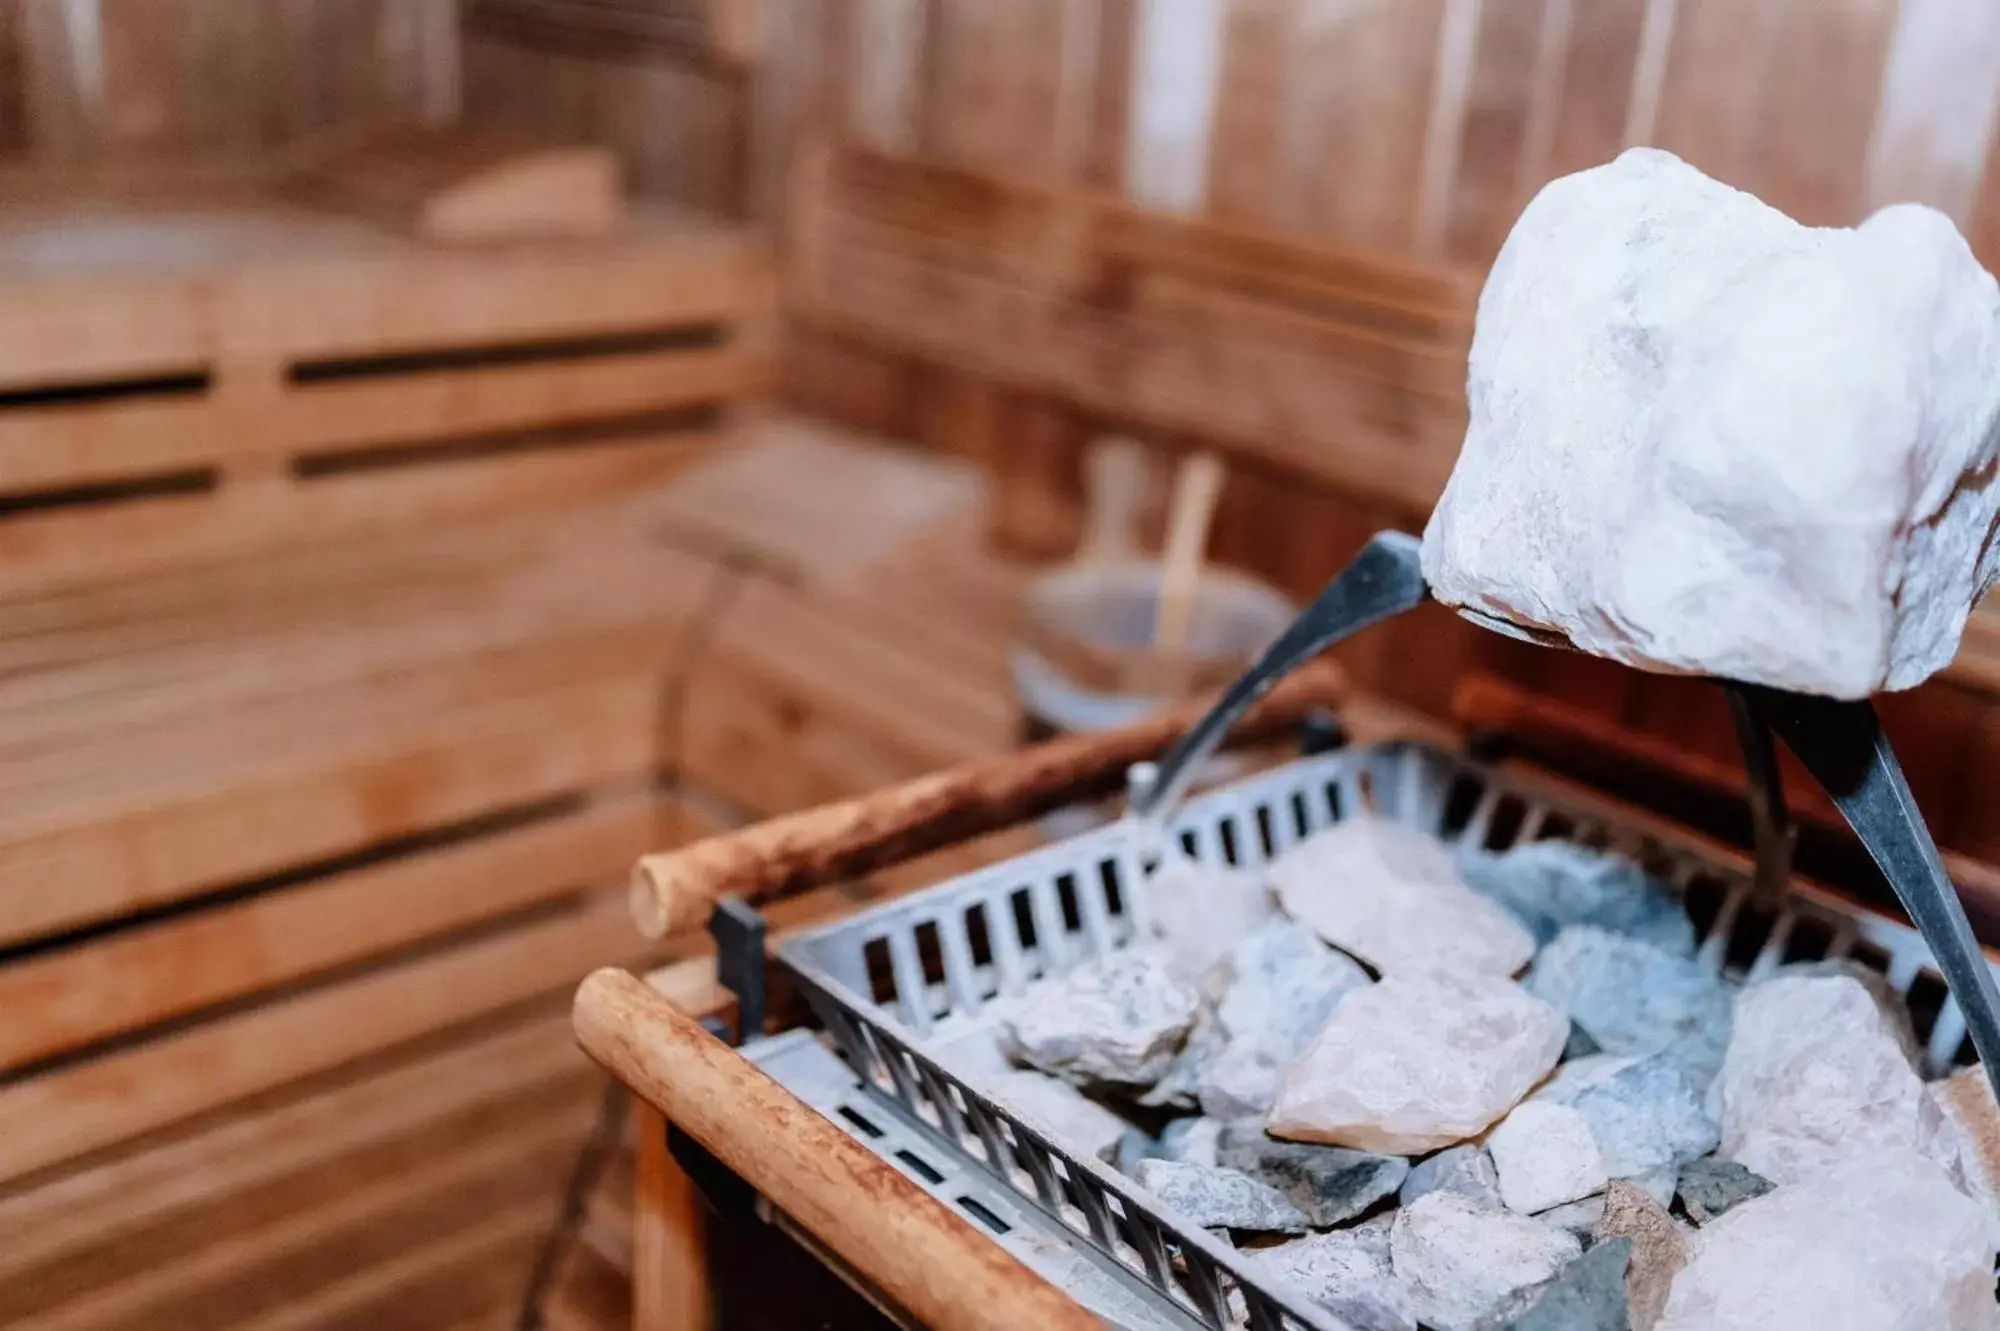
(903, 987)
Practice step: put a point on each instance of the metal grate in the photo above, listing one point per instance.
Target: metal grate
(899, 985)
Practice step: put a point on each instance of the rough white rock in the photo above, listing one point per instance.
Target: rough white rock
(1192, 1140)
(1392, 896)
(1284, 984)
(1118, 1021)
(1465, 1170)
(1460, 1261)
(1200, 911)
(1881, 1242)
(1545, 1155)
(1418, 1062)
(1347, 1272)
(1705, 439)
(1815, 1074)
(1058, 1108)
(1212, 1196)
(1579, 1218)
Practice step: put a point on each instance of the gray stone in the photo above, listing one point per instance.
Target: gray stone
(1212, 1196)
(1180, 1086)
(1816, 1074)
(1546, 1155)
(1586, 1295)
(1645, 1117)
(1191, 1140)
(1711, 1186)
(1418, 1062)
(1658, 1249)
(1881, 1241)
(1461, 1261)
(1348, 1273)
(1284, 985)
(1465, 1170)
(1392, 896)
(1634, 999)
(1219, 1198)
(1330, 1184)
(1579, 1218)
(1553, 884)
(1705, 439)
(1065, 1113)
(1118, 1022)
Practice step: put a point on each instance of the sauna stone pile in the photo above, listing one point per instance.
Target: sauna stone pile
(1471, 1092)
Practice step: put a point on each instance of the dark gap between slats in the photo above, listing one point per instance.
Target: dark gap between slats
(108, 494)
(499, 355)
(444, 837)
(621, 431)
(99, 392)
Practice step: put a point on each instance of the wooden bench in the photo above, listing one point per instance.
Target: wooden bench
(186, 378)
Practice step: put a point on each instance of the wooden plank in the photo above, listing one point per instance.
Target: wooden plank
(273, 1275)
(1940, 99)
(669, 1270)
(153, 1184)
(1176, 65)
(1507, 76)
(65, 1114)
(1110, 93)
(1713, 89)
(13, 111)
(539, 748)
(1596, 84)
(885, 95)
(1244, 165)
(79, 995)
(1820, 96)
(997, 98)
(1361, 80)
(291, 1219)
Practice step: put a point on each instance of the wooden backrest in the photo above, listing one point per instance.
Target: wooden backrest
(1340, 364)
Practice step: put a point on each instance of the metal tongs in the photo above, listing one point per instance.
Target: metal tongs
(1840, 743)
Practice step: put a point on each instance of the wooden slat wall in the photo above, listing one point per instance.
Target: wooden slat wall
(1424, 124)
(85, 78)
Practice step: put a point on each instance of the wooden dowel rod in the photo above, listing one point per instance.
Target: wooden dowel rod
(925, 1257)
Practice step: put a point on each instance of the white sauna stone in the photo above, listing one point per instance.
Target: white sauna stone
(1706, 439)
(1815, 1075)
(1392, 896)
(1418, 1062)
(1879, 1242)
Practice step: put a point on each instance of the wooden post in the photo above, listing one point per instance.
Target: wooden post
(670, 1289)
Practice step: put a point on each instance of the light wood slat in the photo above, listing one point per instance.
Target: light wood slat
(145, 1259)
(1361, 80)
(512, 1170)
(1507, 75)
(65, 1114)
(79, 995)
(1599, 69)
(538, 749)
(1940, 100)
(150, 1184)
